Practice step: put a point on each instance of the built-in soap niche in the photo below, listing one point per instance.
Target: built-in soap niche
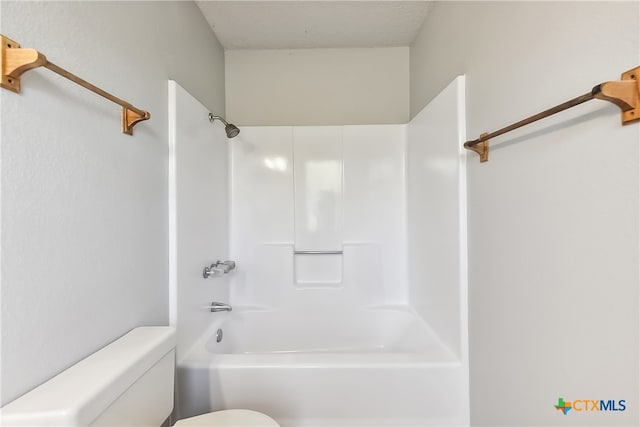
(318, 270)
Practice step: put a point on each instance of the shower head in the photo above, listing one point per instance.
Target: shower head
(231, 129)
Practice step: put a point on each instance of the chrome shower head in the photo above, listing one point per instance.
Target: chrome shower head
(231, 129)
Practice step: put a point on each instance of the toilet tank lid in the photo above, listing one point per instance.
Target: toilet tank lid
(78, 395)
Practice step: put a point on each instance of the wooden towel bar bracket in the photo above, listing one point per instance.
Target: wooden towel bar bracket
(624, 93)
(15, 61)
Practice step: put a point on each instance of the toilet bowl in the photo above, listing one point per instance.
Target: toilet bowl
(130, 382)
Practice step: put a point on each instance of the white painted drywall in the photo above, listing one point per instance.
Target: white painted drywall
(84, 207)
(317, 86)
(198, 216)
(314, 24)
(553, 216)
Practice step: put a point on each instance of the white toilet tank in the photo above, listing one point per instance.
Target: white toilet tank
(127, 383)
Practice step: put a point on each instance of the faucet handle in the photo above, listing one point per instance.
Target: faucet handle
(227, 266)
(213, 270)
(218, 268)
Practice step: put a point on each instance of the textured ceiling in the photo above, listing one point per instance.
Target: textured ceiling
(314, 24)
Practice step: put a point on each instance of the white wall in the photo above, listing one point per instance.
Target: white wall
(437, 217)
(553, 216)
(271, 183)
(198, 216)
(318, 86)
(84, 207)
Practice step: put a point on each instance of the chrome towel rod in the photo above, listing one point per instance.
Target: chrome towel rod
(625, 94)
(15, 61)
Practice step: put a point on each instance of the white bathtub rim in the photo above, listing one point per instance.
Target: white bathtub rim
(197, 355)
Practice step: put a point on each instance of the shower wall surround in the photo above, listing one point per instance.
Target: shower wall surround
(198, 214)
(332, 189)
(437, 216)
(327, 328)
(317, 166)
(318, 195)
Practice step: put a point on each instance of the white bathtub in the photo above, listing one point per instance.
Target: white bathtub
(377, 367)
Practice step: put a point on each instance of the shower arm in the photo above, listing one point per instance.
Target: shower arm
(213, 117)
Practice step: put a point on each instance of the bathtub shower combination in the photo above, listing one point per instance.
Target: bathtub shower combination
(347, 304)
